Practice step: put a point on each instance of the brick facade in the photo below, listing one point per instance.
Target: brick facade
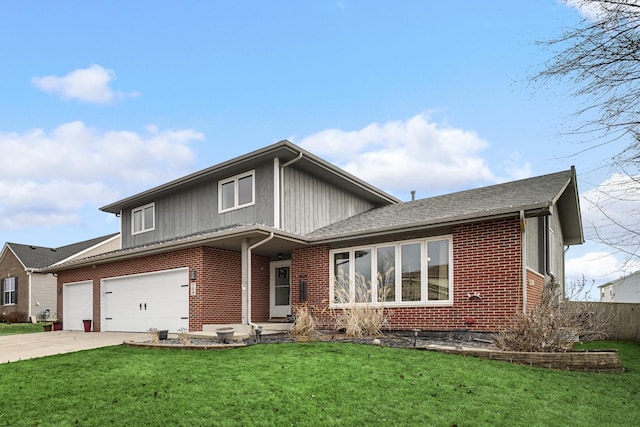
(218, 283)
(12, 267)
(487, 261)
(535, 285)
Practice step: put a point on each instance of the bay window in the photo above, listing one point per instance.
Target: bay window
(410, 273)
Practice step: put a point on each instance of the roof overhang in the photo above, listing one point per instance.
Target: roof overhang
(568, 203)
(232, 239)
(397, 230)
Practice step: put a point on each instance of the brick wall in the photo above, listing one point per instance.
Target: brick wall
(486, 261)
(11, 267)
(535, 285)
(218, 283)
(311, 265)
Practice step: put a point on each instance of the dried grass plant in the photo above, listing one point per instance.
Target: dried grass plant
(360, 317)
(304, 324)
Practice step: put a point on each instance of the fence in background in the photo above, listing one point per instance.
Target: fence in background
(625, 318)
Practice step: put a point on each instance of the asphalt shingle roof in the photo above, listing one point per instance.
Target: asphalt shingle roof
(511, 196)
(39, 257)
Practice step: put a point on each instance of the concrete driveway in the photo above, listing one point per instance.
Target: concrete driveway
(29, 346)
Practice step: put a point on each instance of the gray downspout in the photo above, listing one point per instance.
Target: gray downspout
(524, 263)
(248, 276)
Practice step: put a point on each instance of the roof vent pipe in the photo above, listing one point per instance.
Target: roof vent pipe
(413, 195)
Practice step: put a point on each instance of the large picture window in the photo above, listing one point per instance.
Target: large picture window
(9, 291)
(236, 192)
(410, 273)
(143, 218)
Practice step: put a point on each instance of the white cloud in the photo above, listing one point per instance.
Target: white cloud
(611, 209)
(48, 178)
(414, 154)
(587, 9)
(598, 266)
(85, 84)
(599, 9)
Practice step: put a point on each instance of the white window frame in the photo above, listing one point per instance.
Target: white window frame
(235, 179)
(5, 291)
(144, 228)
(424, 294)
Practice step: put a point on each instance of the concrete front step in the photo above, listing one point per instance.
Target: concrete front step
(244, 331)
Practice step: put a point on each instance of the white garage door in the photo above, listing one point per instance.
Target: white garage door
(77, 305)
(143, 301)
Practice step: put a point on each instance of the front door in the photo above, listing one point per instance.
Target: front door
(280, 294)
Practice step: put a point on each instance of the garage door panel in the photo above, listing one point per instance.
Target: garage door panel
(137, 303)
(77, 305)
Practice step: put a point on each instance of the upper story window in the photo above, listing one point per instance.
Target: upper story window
(236, 192)
(9, 291)
(143, 218)
(409, 273)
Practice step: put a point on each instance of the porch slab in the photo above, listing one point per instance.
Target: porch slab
(245, 331)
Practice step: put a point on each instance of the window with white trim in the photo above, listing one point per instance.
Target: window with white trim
(236, 192)
(9, 291)
(405, 274)
(143, 218)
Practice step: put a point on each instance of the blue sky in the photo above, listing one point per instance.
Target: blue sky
(100, 100)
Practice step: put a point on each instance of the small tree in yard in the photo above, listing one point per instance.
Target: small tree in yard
(554, 325)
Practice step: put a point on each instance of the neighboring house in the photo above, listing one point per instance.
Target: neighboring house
(24, 288)
(625, 289)
(249, 239)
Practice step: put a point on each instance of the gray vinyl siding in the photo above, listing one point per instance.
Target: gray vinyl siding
(556, 247)
(194, 209)
(309, 203)
(534, 228)
(536, 245)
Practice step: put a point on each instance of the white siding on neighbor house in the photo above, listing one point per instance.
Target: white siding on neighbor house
(625, 289)
(109, 245)
(43, 294)
(310, 203)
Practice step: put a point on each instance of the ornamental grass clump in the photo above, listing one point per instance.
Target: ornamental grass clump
(359, 317)
(304, 324)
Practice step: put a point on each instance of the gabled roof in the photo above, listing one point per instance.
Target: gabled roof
(37, 257)
(285, 151)
(633, 277)
(534, 196)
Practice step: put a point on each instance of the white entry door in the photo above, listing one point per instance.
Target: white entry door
(280, 285)
(77, 305)
(139, 302)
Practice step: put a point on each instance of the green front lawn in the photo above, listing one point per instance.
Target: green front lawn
(20, 328)
(309, 384)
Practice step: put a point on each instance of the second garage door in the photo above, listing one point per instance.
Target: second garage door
(143, 301)
(77, 302)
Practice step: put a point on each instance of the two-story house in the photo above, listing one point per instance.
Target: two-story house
(246, 240)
